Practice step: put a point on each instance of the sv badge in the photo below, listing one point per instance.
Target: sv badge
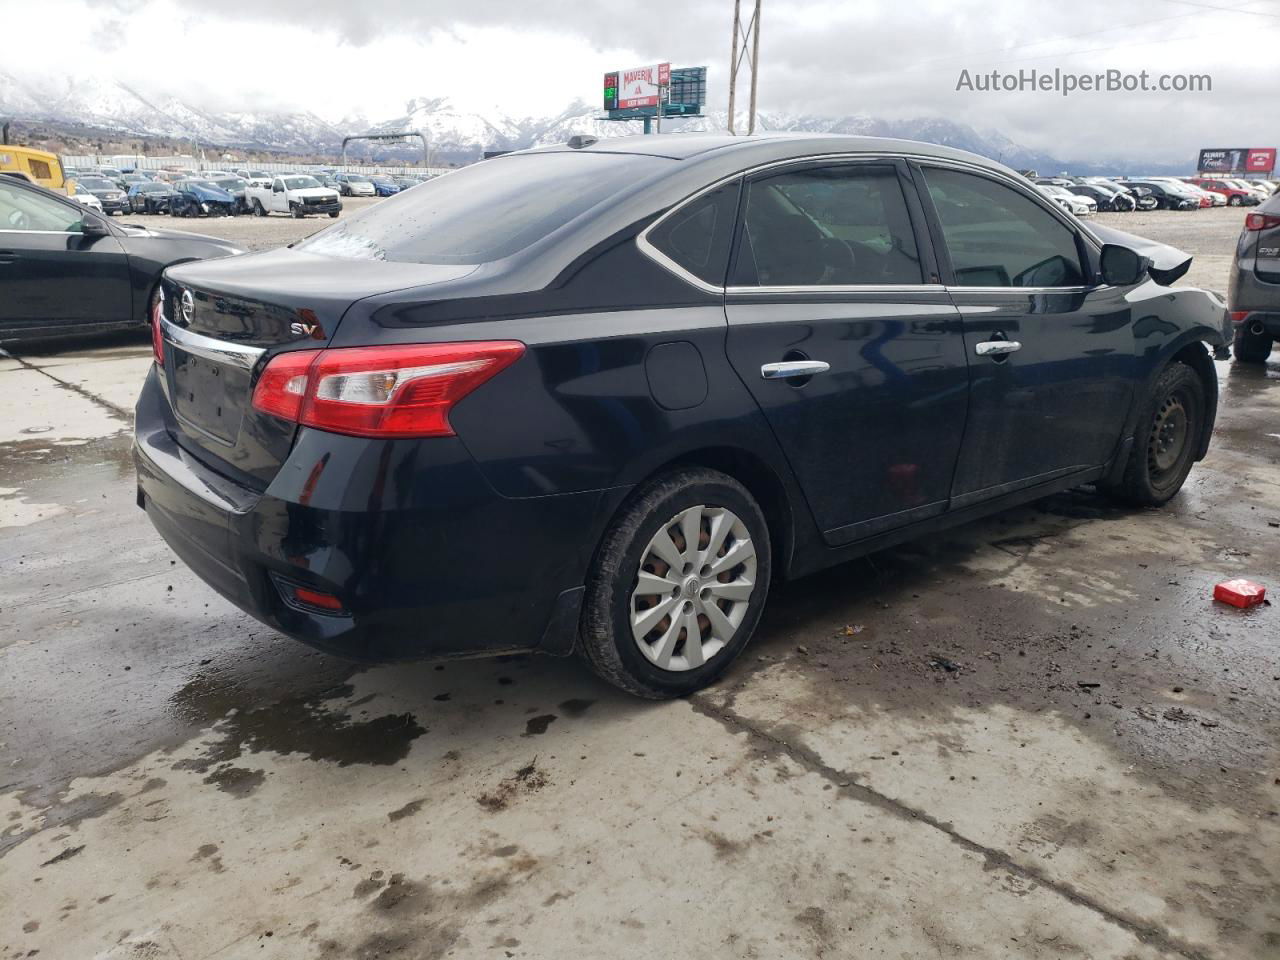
(306, 330)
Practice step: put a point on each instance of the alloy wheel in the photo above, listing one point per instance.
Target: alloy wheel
(697, 575)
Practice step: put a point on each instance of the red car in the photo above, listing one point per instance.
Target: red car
(1235, 196)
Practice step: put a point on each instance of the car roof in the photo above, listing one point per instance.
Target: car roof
(770, 146)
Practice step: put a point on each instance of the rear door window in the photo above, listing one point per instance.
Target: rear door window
(997, 237)
(486, 211)
(840, 225)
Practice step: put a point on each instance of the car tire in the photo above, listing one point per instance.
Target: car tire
(1251, 347)
(1234, 201)
(1166, 440)
(651, 524)
(296, 211)
(333, 215)
(258, 209)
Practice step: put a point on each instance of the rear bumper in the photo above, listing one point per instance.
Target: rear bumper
(1252, 320)
(427, 560)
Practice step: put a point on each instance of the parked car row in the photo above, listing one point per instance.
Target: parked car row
(1083, 196)
(228, 193)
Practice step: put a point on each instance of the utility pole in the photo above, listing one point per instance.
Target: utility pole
(750, 52)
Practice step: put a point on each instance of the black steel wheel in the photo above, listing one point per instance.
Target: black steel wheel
(1166, 441)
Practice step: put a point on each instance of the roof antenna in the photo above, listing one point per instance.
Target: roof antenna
(578, 141)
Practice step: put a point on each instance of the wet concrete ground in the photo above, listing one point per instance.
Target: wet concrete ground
(1032, 736)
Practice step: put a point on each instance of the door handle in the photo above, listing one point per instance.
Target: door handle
(996, 348)
(793, 368)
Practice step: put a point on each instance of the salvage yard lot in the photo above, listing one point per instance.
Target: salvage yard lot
(1033, 736)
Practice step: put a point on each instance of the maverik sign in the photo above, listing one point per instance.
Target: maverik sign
(642, 86)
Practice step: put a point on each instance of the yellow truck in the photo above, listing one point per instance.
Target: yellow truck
(37, 166)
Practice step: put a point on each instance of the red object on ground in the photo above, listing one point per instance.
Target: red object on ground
(1240, 593)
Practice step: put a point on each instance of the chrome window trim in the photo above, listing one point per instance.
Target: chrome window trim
(47, 233)
(842, 289)
(653, 253)
(955, 288)
(219, 351)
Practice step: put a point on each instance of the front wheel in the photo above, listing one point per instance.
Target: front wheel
(1250, 347)
(1234, 201)
(1166, 440)
(296, 211)
(333, 215)
(677, 586)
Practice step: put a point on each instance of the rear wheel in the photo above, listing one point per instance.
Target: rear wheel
(1166, 439)
(678, 585)
(333, 214)
(258, 209)
(1234, 201)
(1251, 347)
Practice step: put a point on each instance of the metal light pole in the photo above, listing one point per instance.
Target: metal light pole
(750, 52)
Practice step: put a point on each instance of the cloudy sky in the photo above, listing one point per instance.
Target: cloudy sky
(341, 57)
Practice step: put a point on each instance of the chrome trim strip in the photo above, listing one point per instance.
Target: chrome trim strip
(219, 351)
(1019, 291)
(662, 260)
(843, 288)
(51, 233)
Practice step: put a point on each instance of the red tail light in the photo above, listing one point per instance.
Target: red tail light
(283, 384)
(1261, 221)
(157, 332)
(395, 391)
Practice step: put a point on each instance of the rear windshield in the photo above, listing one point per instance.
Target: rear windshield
(486, 211)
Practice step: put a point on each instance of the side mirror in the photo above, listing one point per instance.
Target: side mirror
(91, 226)
(1122, 267)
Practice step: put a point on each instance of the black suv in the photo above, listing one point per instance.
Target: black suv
(596, 397)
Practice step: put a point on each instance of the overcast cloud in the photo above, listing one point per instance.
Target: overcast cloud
(338, 58)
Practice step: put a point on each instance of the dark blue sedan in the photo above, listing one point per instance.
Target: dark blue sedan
(595, 398)
(195, 198)
(385, 186)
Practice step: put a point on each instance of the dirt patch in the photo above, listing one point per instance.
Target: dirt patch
(528, 779)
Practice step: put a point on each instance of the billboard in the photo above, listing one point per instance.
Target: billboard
(1228, 160)
(636, 87)
(1260, 160)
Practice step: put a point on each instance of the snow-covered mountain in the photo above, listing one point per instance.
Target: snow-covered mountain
(456, 135)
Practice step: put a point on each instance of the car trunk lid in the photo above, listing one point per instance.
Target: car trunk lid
(225, 319)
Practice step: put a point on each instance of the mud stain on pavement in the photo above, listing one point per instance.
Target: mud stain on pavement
(294, 725)
(419, 918)
(408, 810)
(536, 726)
(528, 779)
